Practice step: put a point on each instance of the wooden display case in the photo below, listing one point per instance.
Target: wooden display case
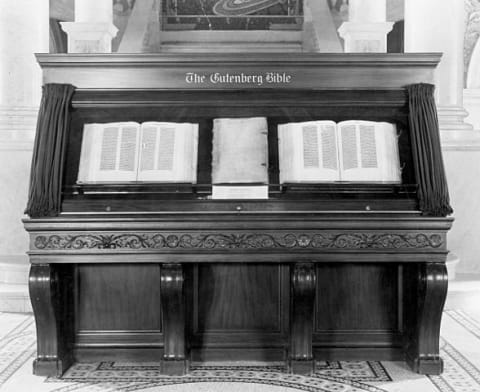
(161, 272)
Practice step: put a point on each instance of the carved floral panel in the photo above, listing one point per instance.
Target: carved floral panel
(218, 241)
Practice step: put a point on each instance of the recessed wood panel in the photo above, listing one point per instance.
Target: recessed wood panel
(353, 297)
(239, 298)
(118, 297)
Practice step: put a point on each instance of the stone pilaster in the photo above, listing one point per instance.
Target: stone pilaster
(93, 29)
(367, 28)
(365, 37)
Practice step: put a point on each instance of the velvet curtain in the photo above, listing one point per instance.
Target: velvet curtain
(427, 154)
(44, 196)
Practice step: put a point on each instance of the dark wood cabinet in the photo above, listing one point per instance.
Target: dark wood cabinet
(162, 272)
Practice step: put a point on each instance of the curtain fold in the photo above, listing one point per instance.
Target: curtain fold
(426, 148)
(45, 191)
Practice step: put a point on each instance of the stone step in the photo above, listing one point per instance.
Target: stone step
(231, 41)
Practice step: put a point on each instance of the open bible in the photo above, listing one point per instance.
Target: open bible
(323, 151)
(240, 158)
(147, 152)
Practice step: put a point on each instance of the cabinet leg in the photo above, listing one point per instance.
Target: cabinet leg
(174, 361)
(423, 353)
(303, 282)
(50, 289)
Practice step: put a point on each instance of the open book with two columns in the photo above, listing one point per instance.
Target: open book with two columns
(309, 152)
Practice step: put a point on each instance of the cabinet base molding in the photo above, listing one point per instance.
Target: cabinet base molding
(175, 367)
(426, 365)
(50, 367)
(306, 367)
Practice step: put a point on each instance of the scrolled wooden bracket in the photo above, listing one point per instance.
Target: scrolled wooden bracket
(175, 360)
(423, 352)
(50, 296)
(303, 286)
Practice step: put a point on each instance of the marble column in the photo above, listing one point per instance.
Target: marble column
(433, 28)
(23, 32)
(430, 28)
(93, 29)
(367, 28)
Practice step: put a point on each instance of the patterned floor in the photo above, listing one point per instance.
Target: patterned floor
(460, 349)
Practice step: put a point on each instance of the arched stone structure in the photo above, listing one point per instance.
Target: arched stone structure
(473, 72)
(471, 94)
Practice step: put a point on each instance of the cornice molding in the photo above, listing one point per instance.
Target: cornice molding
(139, 59)
(311, 71)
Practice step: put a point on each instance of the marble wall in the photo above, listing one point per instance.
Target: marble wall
(23, 32)
(463, 176)
(14, 170)
(462, 166)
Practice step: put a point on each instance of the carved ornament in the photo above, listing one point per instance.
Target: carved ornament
(213, 241)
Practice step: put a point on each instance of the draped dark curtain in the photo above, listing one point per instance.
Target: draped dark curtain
(427, 154)
(44, 196)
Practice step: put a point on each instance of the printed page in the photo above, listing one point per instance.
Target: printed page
(389, 153)
(240, 150)
(109, 153)
(368, 152)
(168, 152)
(308, 152)
(90, 138)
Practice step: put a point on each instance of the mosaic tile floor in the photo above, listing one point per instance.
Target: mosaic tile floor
(460, 349)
